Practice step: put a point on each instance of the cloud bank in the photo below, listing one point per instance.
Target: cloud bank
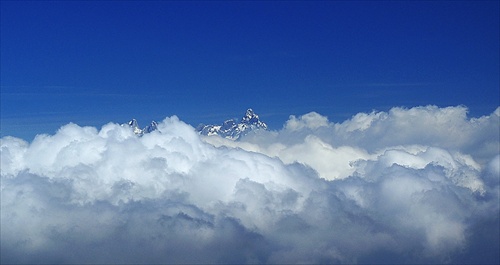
(416, 185)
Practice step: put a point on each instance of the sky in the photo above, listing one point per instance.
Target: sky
(383, 143)
(91, 62)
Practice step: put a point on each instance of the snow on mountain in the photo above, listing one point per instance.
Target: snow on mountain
(232, 129)
(153, 126)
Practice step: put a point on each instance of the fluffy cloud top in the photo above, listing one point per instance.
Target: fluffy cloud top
(404, 186)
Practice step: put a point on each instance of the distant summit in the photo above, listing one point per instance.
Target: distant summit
(138, 131)
(230, 129)
(234, 129)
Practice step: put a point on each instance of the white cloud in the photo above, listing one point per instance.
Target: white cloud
(409, 185)
(310, 120)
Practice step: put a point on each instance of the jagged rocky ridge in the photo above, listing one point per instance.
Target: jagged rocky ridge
(230, 129)
(234, 129)
(153, 126)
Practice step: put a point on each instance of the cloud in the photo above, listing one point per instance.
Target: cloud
(310, 120)
(408, 185)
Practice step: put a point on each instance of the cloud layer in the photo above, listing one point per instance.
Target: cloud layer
(404, 186)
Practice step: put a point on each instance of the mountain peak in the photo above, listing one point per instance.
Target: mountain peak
(138, 131)
(250, 117)
(231, 129)
(133, 123)
(249, 113)
(153, 126)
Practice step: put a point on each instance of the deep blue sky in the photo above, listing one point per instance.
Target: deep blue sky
(91, 62)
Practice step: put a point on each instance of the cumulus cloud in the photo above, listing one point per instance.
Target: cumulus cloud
(404, 186)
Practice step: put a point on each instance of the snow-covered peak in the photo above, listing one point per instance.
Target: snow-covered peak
(151, 127)
(133, 123)
(138, 131)
(249, 114)
(252, 119)
(231, 129)
(249, 117)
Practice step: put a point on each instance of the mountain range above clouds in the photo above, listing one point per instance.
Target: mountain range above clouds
(231, 129)
(234, 129)
(402, 186)
(153, 126)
